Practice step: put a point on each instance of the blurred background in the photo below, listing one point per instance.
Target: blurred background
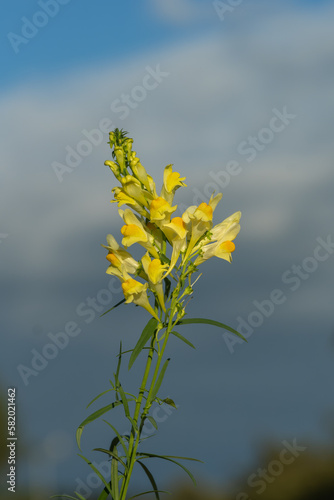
(238, 95)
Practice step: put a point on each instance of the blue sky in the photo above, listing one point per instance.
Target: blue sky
(92, 33)
(223, 84)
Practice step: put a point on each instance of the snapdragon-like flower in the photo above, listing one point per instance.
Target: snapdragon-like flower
(154, 270)
(135, 292)
(119, 258)
(176, 233)
(134, 232)
(172, 181)
(199, 220)
(132, 187)
(124, 199)
(160, 211)
(222, 236)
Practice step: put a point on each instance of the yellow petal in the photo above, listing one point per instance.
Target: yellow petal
(114, 261)
(159, 208)
(227, 246)
(133, 234)
(172, 179)
(156, 270)
(204, 212)
(131, 287)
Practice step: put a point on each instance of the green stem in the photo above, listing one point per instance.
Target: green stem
(135, 435)
(132, 448)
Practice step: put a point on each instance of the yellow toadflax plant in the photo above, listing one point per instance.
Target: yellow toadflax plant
(161, 285)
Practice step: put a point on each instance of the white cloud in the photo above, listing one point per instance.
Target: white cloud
(220, 90)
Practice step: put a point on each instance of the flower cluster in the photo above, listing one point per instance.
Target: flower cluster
(148, 221)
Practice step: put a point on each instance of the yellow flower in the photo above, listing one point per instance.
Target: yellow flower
(119, 258)
(134, 232)
(176, 233)
(154, 271)
(124, 199)
(132, 187)
(172, 181)
(219, 230)
(199, 220)
(135, 292)
(161, 211)
(221, 244)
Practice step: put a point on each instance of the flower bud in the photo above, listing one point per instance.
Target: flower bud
(111, 139)
(127, 146)
(114, 168)
(119, 153)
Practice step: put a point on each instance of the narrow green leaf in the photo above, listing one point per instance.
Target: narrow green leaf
(110, 453)
(159, 380)
(117, 383)
(119, 360)
(93, 417)
(124, 401)
(172, 456)
(153, 422)
(79, 496)
(170, 459)
(181, 337)
(151, 491)
(64, 496)
(114, 307)
(143, 339)
(97, 472)
(120, 438)
(151, 479)
(114, 475)
(131, 350)
(105, 493)
(133, 423)
(210, 322)
(168, 285)
(97, 397)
